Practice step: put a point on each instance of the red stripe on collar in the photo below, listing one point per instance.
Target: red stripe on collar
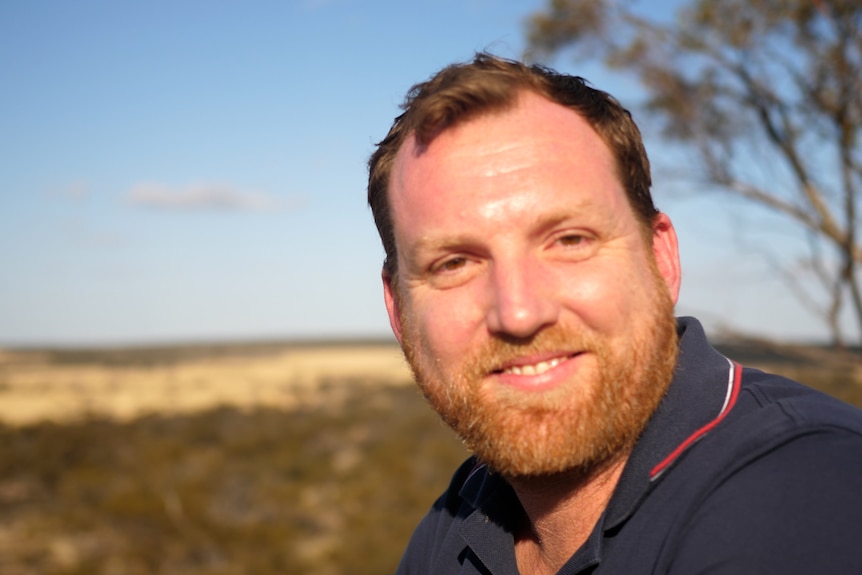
(734, 381)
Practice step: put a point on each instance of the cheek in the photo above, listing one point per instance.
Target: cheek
(447, 324)
(604, 296)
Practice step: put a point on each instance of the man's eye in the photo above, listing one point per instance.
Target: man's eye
(451, 265)
(572, 240)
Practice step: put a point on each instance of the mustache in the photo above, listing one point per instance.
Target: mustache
(501, 352)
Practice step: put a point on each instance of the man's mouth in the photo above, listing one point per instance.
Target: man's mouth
(534, 369)
(537, 368)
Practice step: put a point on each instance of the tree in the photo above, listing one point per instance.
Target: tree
(767, 97)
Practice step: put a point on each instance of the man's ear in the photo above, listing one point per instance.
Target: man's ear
(665, 249)
(392, 303)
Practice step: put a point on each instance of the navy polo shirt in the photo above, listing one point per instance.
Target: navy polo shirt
(737, 472)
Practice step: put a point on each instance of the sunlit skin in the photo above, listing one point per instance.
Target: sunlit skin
(517, 246)
(515, 222)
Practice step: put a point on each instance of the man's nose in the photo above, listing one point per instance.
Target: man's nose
(523, 299)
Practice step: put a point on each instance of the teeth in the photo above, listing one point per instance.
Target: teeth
(534, 369)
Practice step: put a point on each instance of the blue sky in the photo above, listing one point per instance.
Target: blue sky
(195, 170)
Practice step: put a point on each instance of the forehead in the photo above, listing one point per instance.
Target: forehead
(532, 143)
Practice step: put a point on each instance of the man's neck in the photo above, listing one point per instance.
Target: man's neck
(561, 513)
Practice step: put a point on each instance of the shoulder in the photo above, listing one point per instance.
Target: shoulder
(771, 417)
(773, 410)
(768, 388)
(785, 493)
(794, 509)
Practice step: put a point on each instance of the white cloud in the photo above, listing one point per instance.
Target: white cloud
(200, 197)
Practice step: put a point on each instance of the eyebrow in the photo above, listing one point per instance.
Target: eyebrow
(537, 224)
(444, 243)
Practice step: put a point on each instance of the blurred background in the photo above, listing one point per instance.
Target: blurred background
(196, 369)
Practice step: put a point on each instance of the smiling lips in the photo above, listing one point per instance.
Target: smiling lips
(535, 368)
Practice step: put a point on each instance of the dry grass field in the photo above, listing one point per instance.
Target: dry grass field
(125, 384)
(264, 459)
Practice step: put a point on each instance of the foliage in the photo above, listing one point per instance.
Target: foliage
(767, 97)
(337, 490)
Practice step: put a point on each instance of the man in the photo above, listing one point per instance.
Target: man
(531, 283)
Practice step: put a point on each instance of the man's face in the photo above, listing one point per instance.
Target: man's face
(537, 319)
